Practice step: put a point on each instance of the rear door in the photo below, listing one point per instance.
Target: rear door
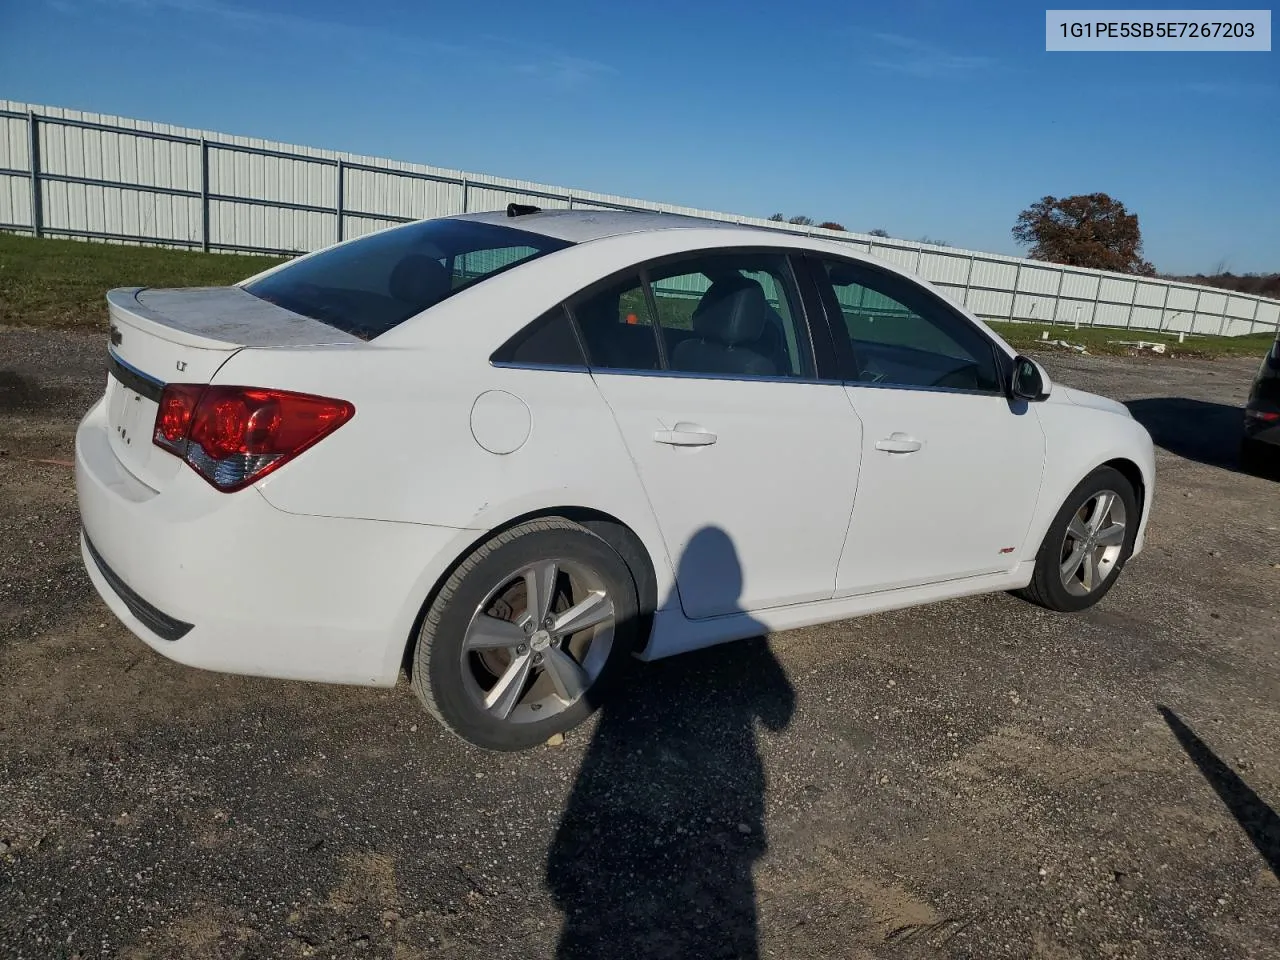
(951, 468)
(748, 457)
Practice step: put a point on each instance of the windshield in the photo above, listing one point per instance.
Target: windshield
(370, 285)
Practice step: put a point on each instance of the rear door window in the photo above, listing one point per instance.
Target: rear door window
(368, 286)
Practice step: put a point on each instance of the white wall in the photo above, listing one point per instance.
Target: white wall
(135, 181)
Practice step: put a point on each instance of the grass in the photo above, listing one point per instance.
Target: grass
(63, 283)
(1101, 340)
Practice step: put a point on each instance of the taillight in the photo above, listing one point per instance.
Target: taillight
(173, 421)
(234, 436)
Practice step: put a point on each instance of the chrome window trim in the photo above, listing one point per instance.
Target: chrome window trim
(687, 375)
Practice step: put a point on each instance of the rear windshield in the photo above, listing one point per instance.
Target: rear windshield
(370, 285)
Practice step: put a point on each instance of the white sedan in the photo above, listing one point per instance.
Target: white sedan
(508, 451)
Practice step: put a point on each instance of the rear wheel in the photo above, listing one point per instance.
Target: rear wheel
(526, 635)
(1087, 544)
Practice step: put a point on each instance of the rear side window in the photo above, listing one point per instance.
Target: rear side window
(618, 327)
(550, 341)
(373, 284)
(734, 314)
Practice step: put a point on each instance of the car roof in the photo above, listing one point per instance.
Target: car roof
(580, 226)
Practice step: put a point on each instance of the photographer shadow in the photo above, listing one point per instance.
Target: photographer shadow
(653, 855)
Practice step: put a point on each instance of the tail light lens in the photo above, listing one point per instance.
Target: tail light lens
(235, 436)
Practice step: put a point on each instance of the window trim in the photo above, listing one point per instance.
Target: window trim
(809, 313)
(839, 336)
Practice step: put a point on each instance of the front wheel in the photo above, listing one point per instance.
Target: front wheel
(525, 636)
(1087, 544)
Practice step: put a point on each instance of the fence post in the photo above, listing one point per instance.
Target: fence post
(1097, 299)
(571, 201)
(338, 205)
(1254, 319)
(464, 194)
(33, 158)
(204, 194)
(1133, 302)
(1163, 307)
(1057, 296)
(1013, 303)
(1195, 312)
(968, 279)
(1226, 302)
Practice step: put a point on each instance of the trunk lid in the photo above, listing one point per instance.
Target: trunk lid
(184, 336)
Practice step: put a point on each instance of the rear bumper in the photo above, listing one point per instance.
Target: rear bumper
(154, 619)
(228, 582)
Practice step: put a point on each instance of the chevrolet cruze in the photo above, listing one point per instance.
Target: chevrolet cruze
(507, 451)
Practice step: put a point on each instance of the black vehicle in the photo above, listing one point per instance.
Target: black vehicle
(1260, 447)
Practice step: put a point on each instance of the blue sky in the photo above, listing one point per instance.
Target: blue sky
(919, 117)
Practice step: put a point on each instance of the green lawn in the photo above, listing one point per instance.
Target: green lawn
(1098, 340)
(63, 283)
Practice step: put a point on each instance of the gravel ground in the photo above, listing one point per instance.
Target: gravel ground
(977, 778)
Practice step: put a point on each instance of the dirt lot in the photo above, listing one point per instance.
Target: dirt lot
(975, 779)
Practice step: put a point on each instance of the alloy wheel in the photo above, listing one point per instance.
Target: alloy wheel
(538, 641)
(1093, 542)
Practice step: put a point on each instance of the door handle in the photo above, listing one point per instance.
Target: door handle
(686, 435)
(899, 443)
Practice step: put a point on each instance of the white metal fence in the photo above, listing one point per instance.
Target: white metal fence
(72, 174)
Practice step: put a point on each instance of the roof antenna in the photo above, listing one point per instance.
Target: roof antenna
(521, 209)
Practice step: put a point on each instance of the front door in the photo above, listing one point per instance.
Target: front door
(951, 468)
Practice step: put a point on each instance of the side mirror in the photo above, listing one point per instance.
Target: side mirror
(1029, 382)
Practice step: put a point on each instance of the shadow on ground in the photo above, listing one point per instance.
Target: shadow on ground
(1255, 816)
(1198, 430)
(653, 855)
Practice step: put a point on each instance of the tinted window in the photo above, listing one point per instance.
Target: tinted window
(548, 341)
(617, 327)
(901, 334)
(370, 285)
(732, 314)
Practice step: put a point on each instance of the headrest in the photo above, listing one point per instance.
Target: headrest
(419, 280)
(732, 312)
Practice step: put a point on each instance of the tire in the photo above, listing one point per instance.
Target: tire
(1257, 458)
(512, 697)
(1050, 585)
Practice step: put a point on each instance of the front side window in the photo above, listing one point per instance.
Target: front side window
(726, 314)
(368, 286)
(900, 335)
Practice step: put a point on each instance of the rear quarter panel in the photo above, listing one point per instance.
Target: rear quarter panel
(411, 455)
